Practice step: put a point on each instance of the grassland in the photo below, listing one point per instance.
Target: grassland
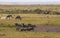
(37, 19)
(15, 9)
(44, 7)
(12, 33)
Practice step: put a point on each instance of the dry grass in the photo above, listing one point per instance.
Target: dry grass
(38, 19)
(10, 33)
(43, 7)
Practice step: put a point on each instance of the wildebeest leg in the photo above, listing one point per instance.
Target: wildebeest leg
(20, 19)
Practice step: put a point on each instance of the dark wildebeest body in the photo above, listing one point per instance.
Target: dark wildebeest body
(29, 27)
(18, 17)
(18, 26)
(9, 17)
(24, 27)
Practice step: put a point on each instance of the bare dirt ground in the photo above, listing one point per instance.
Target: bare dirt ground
(47, 28)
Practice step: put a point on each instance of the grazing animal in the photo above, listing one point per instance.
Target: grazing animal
(28, 27)
(9, 17)
(18, 26)
(31, 27)
(24, 27)
(18, 17)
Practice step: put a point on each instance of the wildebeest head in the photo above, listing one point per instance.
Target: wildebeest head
(18, 25)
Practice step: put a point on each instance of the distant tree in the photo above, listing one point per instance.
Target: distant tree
(18, 11)
(58, 13)
(47, 12)
(26, 10)
(38, 11)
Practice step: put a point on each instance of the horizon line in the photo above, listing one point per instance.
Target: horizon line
(18, 3)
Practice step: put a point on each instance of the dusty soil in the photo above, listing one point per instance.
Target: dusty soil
(47, 28)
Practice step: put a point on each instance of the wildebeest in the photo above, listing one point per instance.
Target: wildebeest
(24, 27)
(9, 17)
(18, 26)
(28, 27)
(31, 27)
(21, 27)
(18, 17)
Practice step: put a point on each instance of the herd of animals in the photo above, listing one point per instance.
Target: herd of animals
(23, 27)
(20, 27)
(30, 27)
(10, 17)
